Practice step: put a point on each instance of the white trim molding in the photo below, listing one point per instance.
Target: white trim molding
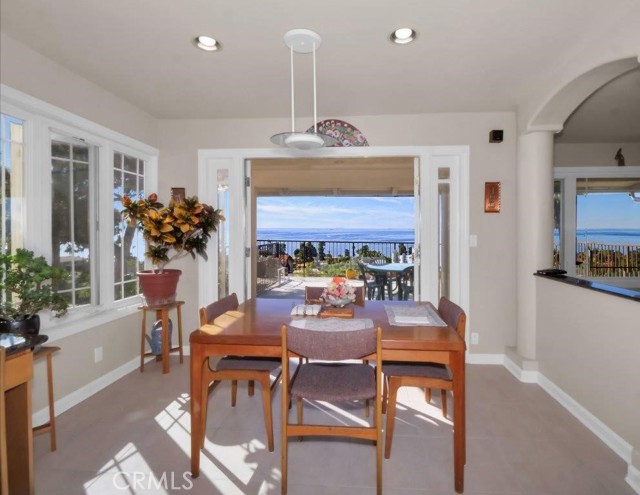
(614, 441)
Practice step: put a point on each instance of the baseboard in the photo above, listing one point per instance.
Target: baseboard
(77, 396)
(614, 441)
(633, 478)
(83, 393)
(525, 376)
(484, 358)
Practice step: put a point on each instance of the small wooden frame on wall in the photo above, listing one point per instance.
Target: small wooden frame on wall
(492, 197)
(177, 194)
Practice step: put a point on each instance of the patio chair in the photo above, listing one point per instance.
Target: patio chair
(405, 283)
(236, 368)
(375, 283)
(333, 341)
(425, 375)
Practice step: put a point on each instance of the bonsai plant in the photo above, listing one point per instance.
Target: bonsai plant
(171, 232)
(27, 287)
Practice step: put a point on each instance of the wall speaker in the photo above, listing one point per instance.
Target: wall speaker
(496, 136)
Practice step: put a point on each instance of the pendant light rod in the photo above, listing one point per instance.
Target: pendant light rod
(293, 100)
(315, 102)
(303, 41)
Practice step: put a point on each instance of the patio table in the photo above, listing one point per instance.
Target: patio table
(390, 268)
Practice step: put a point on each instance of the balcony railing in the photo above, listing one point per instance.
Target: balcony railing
(308, 250)
(596, 259)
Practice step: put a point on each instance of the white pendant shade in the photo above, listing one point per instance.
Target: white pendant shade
(302, 41)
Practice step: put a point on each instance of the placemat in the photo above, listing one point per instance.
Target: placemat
(332, 324)
(411, 316)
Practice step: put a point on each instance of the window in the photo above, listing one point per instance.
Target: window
(597, 224)
(73, 242)
(128, 244)
(11, 177)
(62, 177)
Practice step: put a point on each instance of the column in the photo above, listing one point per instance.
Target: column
(534, 187)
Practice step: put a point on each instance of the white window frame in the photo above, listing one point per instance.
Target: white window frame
(568, 177)
(41, 120)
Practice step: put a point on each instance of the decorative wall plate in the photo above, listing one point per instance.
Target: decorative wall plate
(344, 133)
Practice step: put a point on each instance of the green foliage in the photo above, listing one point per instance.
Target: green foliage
(365, 252)
(26, 281)
(171, 232)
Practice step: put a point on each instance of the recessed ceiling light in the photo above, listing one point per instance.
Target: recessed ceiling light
(403, 36)
(207, 43)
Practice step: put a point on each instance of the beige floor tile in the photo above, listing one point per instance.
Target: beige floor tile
(520, 442)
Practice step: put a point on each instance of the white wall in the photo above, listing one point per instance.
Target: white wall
(588, 344)
(492, 312)
(38, 76)
(595, 154)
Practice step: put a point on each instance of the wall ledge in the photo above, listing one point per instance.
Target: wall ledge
(612, 290)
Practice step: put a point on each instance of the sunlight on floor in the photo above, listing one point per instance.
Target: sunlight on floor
(218, 463)
(130, 473)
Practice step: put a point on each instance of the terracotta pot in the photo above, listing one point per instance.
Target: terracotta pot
(159, 289)
(351, 273)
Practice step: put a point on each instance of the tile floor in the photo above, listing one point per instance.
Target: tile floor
(133, 438)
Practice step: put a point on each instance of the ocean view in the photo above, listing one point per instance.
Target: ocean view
(606, 236)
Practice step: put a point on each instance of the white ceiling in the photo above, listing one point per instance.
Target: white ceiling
(469, 56)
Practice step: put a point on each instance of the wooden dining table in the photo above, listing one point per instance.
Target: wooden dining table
(258, 333)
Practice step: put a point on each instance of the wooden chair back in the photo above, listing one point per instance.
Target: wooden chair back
(453, 315)
(217, 308)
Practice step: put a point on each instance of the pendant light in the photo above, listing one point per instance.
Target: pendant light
(302, 41)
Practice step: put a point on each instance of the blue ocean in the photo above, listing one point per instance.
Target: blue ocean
(373, 236)
(607, 236)
(334, 235)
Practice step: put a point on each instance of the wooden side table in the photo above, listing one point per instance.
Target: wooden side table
(162, 313)
(50, 426)
(16, 435)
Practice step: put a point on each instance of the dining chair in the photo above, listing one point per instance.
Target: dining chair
(313, 293)
(333, 380)
(234, 368)
(424, 375)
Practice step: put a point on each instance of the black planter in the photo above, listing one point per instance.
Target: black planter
(21, 325)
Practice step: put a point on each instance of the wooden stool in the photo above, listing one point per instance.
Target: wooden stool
(162, 313)
(50, 426)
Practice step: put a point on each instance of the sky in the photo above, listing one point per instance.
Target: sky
(335, 212)
(595, 211)
(606, 210)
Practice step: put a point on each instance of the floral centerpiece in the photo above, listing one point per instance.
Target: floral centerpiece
(339, 292)
(171, 232)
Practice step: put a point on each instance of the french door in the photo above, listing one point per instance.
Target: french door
(441, 217)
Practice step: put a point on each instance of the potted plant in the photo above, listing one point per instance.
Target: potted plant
(171, 232)
(27, 286)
